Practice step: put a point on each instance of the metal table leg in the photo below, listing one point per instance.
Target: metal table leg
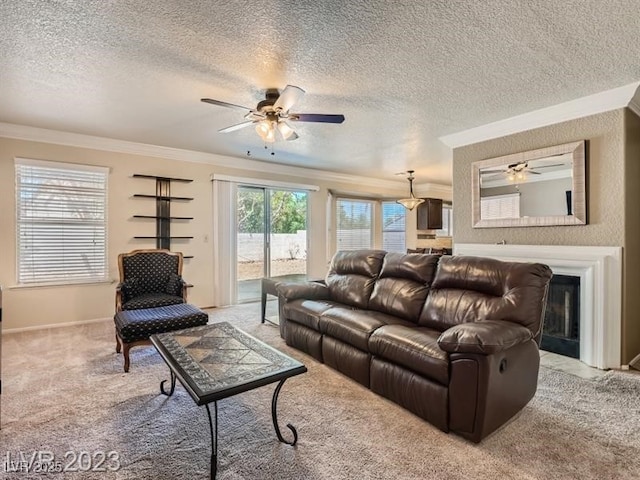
(173, 385)
(213, 429)
(274, 416)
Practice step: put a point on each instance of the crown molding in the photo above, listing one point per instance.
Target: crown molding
(56, 137)
(613, 99)
(433, 190)
(634, 104)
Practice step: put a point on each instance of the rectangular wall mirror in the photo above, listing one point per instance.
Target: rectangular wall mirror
(530, 189)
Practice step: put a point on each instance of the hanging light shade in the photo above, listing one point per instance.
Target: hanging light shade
(411, 202)
(286, 131)
(266, 130)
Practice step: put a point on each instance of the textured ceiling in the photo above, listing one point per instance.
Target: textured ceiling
(403, 73)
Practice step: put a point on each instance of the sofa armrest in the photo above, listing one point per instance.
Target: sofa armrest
(486, 337)
(310, 290)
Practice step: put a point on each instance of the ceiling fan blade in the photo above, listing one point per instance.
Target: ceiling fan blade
(316, 117)
(288, 98)
(237, 126)
(224, 104)
(535, 173)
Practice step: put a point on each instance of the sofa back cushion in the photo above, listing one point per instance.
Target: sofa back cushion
(470, 289)
(352, 275)
(403, 284)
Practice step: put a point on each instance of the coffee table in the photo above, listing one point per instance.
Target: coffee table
(218, 361)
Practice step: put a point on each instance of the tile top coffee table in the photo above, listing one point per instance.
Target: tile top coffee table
(218, 361)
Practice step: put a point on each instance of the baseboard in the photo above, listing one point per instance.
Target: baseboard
(67, 324)
(55, 325)
(635, 362)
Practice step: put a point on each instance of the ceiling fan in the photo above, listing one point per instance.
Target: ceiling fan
(271, 115)
(517, 171)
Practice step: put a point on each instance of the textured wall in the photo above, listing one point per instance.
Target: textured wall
(631, 275)
(613, 176)
(605, 188)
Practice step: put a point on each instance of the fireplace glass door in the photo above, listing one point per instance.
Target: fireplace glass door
(561, 332)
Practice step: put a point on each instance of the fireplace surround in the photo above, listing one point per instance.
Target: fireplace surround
(600, 273)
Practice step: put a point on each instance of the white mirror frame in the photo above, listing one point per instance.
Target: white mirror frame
(579, 217)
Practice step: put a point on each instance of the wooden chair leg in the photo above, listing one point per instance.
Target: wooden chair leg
(125, 351)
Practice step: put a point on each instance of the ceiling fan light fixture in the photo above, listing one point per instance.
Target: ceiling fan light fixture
(270, 113)
(286, 131)
(411, 202)
(266, 130)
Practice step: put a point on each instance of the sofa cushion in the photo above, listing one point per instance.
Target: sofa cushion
(352, 275)
(355, 326)
(414, 348)
(152, 269)
(174, 285)
(471, 289)
(403, 284)
(129, 288)
(134, 325)
(307, 312)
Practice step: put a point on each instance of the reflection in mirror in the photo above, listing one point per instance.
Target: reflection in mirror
(541, 187)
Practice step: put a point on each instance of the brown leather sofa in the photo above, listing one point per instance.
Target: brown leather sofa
(452, 339)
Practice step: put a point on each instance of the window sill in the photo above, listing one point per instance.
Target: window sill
(59, 284)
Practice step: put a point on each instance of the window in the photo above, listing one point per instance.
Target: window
(393, 227)
(447, 221)
(354, 224)
(61, 212)
(500, 206)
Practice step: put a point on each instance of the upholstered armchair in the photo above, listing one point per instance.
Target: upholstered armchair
(149, 279)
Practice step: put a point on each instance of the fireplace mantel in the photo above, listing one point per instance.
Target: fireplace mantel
(600, 270)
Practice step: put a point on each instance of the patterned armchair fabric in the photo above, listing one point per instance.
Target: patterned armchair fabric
(149, 279)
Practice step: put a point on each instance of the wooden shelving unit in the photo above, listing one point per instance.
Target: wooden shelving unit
(163, 217)
(170, 218)
(162, 197)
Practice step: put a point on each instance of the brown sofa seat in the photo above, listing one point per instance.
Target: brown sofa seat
(355, 326)
(414, 348)
(307, 312)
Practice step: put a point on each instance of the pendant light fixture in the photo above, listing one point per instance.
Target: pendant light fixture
(411, 202)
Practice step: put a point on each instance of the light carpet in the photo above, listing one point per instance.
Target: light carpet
(64, 391)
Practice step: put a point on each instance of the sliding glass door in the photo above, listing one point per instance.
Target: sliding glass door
(271, 239)
(250, 242)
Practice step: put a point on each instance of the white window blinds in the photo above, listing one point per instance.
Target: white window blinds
(393, 227)
(354, 224)
(61, 212)
(500, 206)
(447, 222)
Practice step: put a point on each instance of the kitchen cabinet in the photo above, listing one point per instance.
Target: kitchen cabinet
(430, 214)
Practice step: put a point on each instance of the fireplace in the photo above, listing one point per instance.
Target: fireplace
(561, 331)
(598, 297)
